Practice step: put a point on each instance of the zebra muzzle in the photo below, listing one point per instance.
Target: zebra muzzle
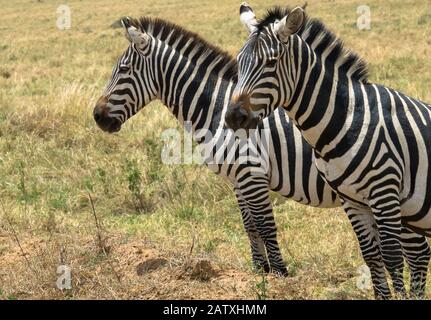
(104, 121)
(238, 117)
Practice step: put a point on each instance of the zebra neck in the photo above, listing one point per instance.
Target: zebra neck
(323, 97)
(195, 94)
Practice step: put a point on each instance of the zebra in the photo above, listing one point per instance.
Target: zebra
(371, 143)
(195, 80)
(158, 63)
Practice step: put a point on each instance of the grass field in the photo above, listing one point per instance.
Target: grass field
(158, 231)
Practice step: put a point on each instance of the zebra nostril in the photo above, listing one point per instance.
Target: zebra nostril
(96, 117)
(242, 118)
(237, 117)
(97, 114)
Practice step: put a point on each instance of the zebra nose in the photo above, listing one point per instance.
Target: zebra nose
(102, 118)
(97, 114)
(237, 117)
(99, 109)
(242, 118)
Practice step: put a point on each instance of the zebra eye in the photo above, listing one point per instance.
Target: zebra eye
(124, 68)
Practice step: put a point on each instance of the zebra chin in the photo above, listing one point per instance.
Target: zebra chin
(112, 127)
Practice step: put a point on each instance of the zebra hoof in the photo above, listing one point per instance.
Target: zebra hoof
(380, 296)
(417, 295)
(262, 267)
(281, 272)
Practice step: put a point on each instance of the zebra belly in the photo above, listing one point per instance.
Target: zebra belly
(416, 219)
(414, 211)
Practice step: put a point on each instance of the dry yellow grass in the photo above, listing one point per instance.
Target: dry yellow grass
(52, 155)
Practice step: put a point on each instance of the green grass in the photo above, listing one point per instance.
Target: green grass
(52, 156)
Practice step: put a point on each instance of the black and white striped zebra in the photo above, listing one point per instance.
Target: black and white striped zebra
(148, 70)
(372, 143)
(196, 80)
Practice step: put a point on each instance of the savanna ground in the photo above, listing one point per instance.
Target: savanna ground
(157, 231)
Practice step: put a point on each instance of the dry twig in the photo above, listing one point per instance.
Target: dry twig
(101, 240)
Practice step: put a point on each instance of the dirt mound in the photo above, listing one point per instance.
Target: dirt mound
(150, 265)
(200, 270)
(203, 271)
(163, 275)
(133, 269)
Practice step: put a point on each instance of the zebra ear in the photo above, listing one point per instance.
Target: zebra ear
(247, 17)
(290, 24)
(134, 35)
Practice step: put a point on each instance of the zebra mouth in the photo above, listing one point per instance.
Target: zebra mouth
(238, 117)
(254, 122)
(114, 126)
(110, 125)
(105, 122)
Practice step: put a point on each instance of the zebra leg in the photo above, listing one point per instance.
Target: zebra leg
(365, 228)
(254, 188)
(257, 245)
(387, 212)
(417, 253)
(263, 217)
(264, 220)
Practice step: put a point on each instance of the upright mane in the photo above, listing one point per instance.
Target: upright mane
(272, 15)
(313, 29)
(176, 36)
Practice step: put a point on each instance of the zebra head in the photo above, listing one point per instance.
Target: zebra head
(262, 67)
(132, 83)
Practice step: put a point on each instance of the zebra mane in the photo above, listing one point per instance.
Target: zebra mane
(272, 15)
(313, 29)
(170, 33)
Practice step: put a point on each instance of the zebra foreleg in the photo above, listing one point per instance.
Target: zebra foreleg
(253, 186)
(265, 224)
(260, 208)
(260, 261)
(417, 253)
(387, 214)
(365, 228)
